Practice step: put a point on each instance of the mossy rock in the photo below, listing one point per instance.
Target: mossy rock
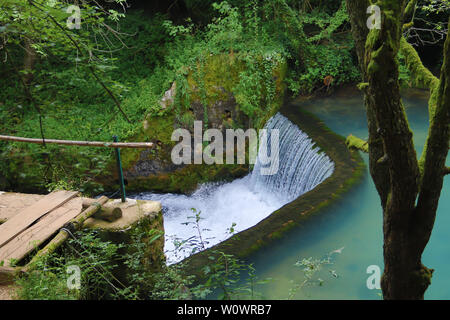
(153, 170)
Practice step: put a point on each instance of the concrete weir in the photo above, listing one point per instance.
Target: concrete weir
(348, 169)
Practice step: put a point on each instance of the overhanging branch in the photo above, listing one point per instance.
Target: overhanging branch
(437, 144)
(446, 171)
(353, 142)
(422, 77)
(410, 9)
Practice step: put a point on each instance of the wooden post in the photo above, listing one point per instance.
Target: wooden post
(119, 167)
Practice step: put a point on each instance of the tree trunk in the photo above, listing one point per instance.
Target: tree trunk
(393, 162)
(29, 62)
(378, 169)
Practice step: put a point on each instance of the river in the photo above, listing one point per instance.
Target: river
(354, 222)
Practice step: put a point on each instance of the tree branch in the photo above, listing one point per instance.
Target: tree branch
(437, 146)
(91, 69)
(410, 9)
(409, 14)
(353, 142)
(446, 171)
(422, 77)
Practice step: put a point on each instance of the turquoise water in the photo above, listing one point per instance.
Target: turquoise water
(354, 222)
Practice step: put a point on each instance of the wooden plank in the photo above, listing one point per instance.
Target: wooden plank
(31, 238)
(62, 236)
(12, 203)
(25, 218)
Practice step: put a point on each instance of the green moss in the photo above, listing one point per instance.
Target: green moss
(357, 143)
(187, 179)
(363, 85)
(157, 129)
(219, 71)
(423, 277)
(279, 74)
(421, 76)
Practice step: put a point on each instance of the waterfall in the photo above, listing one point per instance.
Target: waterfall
(246, 201)
(301, 167)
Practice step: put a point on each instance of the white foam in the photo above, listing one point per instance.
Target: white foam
(244, 201)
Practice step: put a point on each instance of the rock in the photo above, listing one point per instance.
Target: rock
(169, 97)
(212, 98)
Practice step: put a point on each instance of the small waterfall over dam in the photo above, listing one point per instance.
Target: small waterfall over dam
(246, 201)
(301, 167)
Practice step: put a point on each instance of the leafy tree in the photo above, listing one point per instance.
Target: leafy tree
(78, 32)
(409, 188)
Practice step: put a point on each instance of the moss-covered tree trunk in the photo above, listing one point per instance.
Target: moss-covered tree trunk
(378, 169)
(409, 195)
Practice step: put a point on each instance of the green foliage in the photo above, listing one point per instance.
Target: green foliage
(329, 60)
(312, 270)
(174, 284)
(327, 53)
(68, 114)
(255, 92)
(141, 276)
(254, 42)
(224, 276)
(45, 284)
(240, 35)
(96, 260)
(187, 119)
(436, 6)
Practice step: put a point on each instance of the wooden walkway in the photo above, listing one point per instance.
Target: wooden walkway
(28, 227)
